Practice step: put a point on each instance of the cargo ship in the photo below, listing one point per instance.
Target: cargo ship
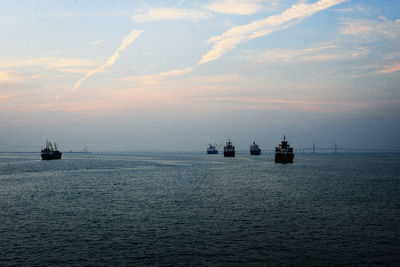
(283, 152)
(50, 152)
(254, 149)
(229, 149)
(211, 149)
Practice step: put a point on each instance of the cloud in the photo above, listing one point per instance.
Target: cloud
(316, 53)
(239, 34)
(74, 70)
(46, 66)
(372, 29)
(47, 62)
(390, 69)
(235, 35)
(355, 8)
(128, 40)
(97, 42)
(6, 76)
(152, 79)
(156, 14)
(239, 7)
(176, 72)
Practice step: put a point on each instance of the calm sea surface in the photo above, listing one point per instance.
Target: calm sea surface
(325, 209)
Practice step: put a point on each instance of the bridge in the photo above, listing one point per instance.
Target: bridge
(309, 150)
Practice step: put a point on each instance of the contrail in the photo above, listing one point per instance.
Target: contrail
(240, 34)
(258, 28)
(128, 40)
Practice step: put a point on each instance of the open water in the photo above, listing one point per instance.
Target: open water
(113, 210)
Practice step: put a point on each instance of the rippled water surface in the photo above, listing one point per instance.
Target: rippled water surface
(325, 209)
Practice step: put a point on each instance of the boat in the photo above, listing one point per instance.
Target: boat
(229, 149)
(50, 152)
(254, 149)
(211, 149)
(283, 152)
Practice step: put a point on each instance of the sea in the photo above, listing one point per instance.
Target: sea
(199, 210)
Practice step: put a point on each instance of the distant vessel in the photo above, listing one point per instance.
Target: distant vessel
(211, 149)
(229, 149)
(50, 152)
(283, 152)
(254, 149)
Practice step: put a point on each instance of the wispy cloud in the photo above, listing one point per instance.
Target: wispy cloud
(315, 53)
(128, 40)
(239, 34)
(44, 67)
(97, 42)
(75, 70)
(48, 63)
(372, 29)
(175, 72)
(156, 78)
(156, 14)
(6, 76)
(390, 69)
(355, 8)
(240, 7)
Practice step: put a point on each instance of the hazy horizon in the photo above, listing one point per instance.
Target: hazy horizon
(178, 75)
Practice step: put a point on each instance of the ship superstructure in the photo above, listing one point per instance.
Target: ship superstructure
(229, 149)
(255, 149)
(211, 149)
(283, 152)
(50, 152)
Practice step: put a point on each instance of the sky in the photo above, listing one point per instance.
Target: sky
(178, 75)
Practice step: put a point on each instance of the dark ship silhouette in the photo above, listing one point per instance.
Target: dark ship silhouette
(50, 152)
(283, 152)
(255, 149)
(229, 149)
(211, 149)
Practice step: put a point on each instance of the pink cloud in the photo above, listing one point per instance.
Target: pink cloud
(6, 76)
(390, 69)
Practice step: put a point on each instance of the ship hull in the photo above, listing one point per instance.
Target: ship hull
(284, 157)
(255, 152)
(229, 153)
(212, 152)
(51, 156)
